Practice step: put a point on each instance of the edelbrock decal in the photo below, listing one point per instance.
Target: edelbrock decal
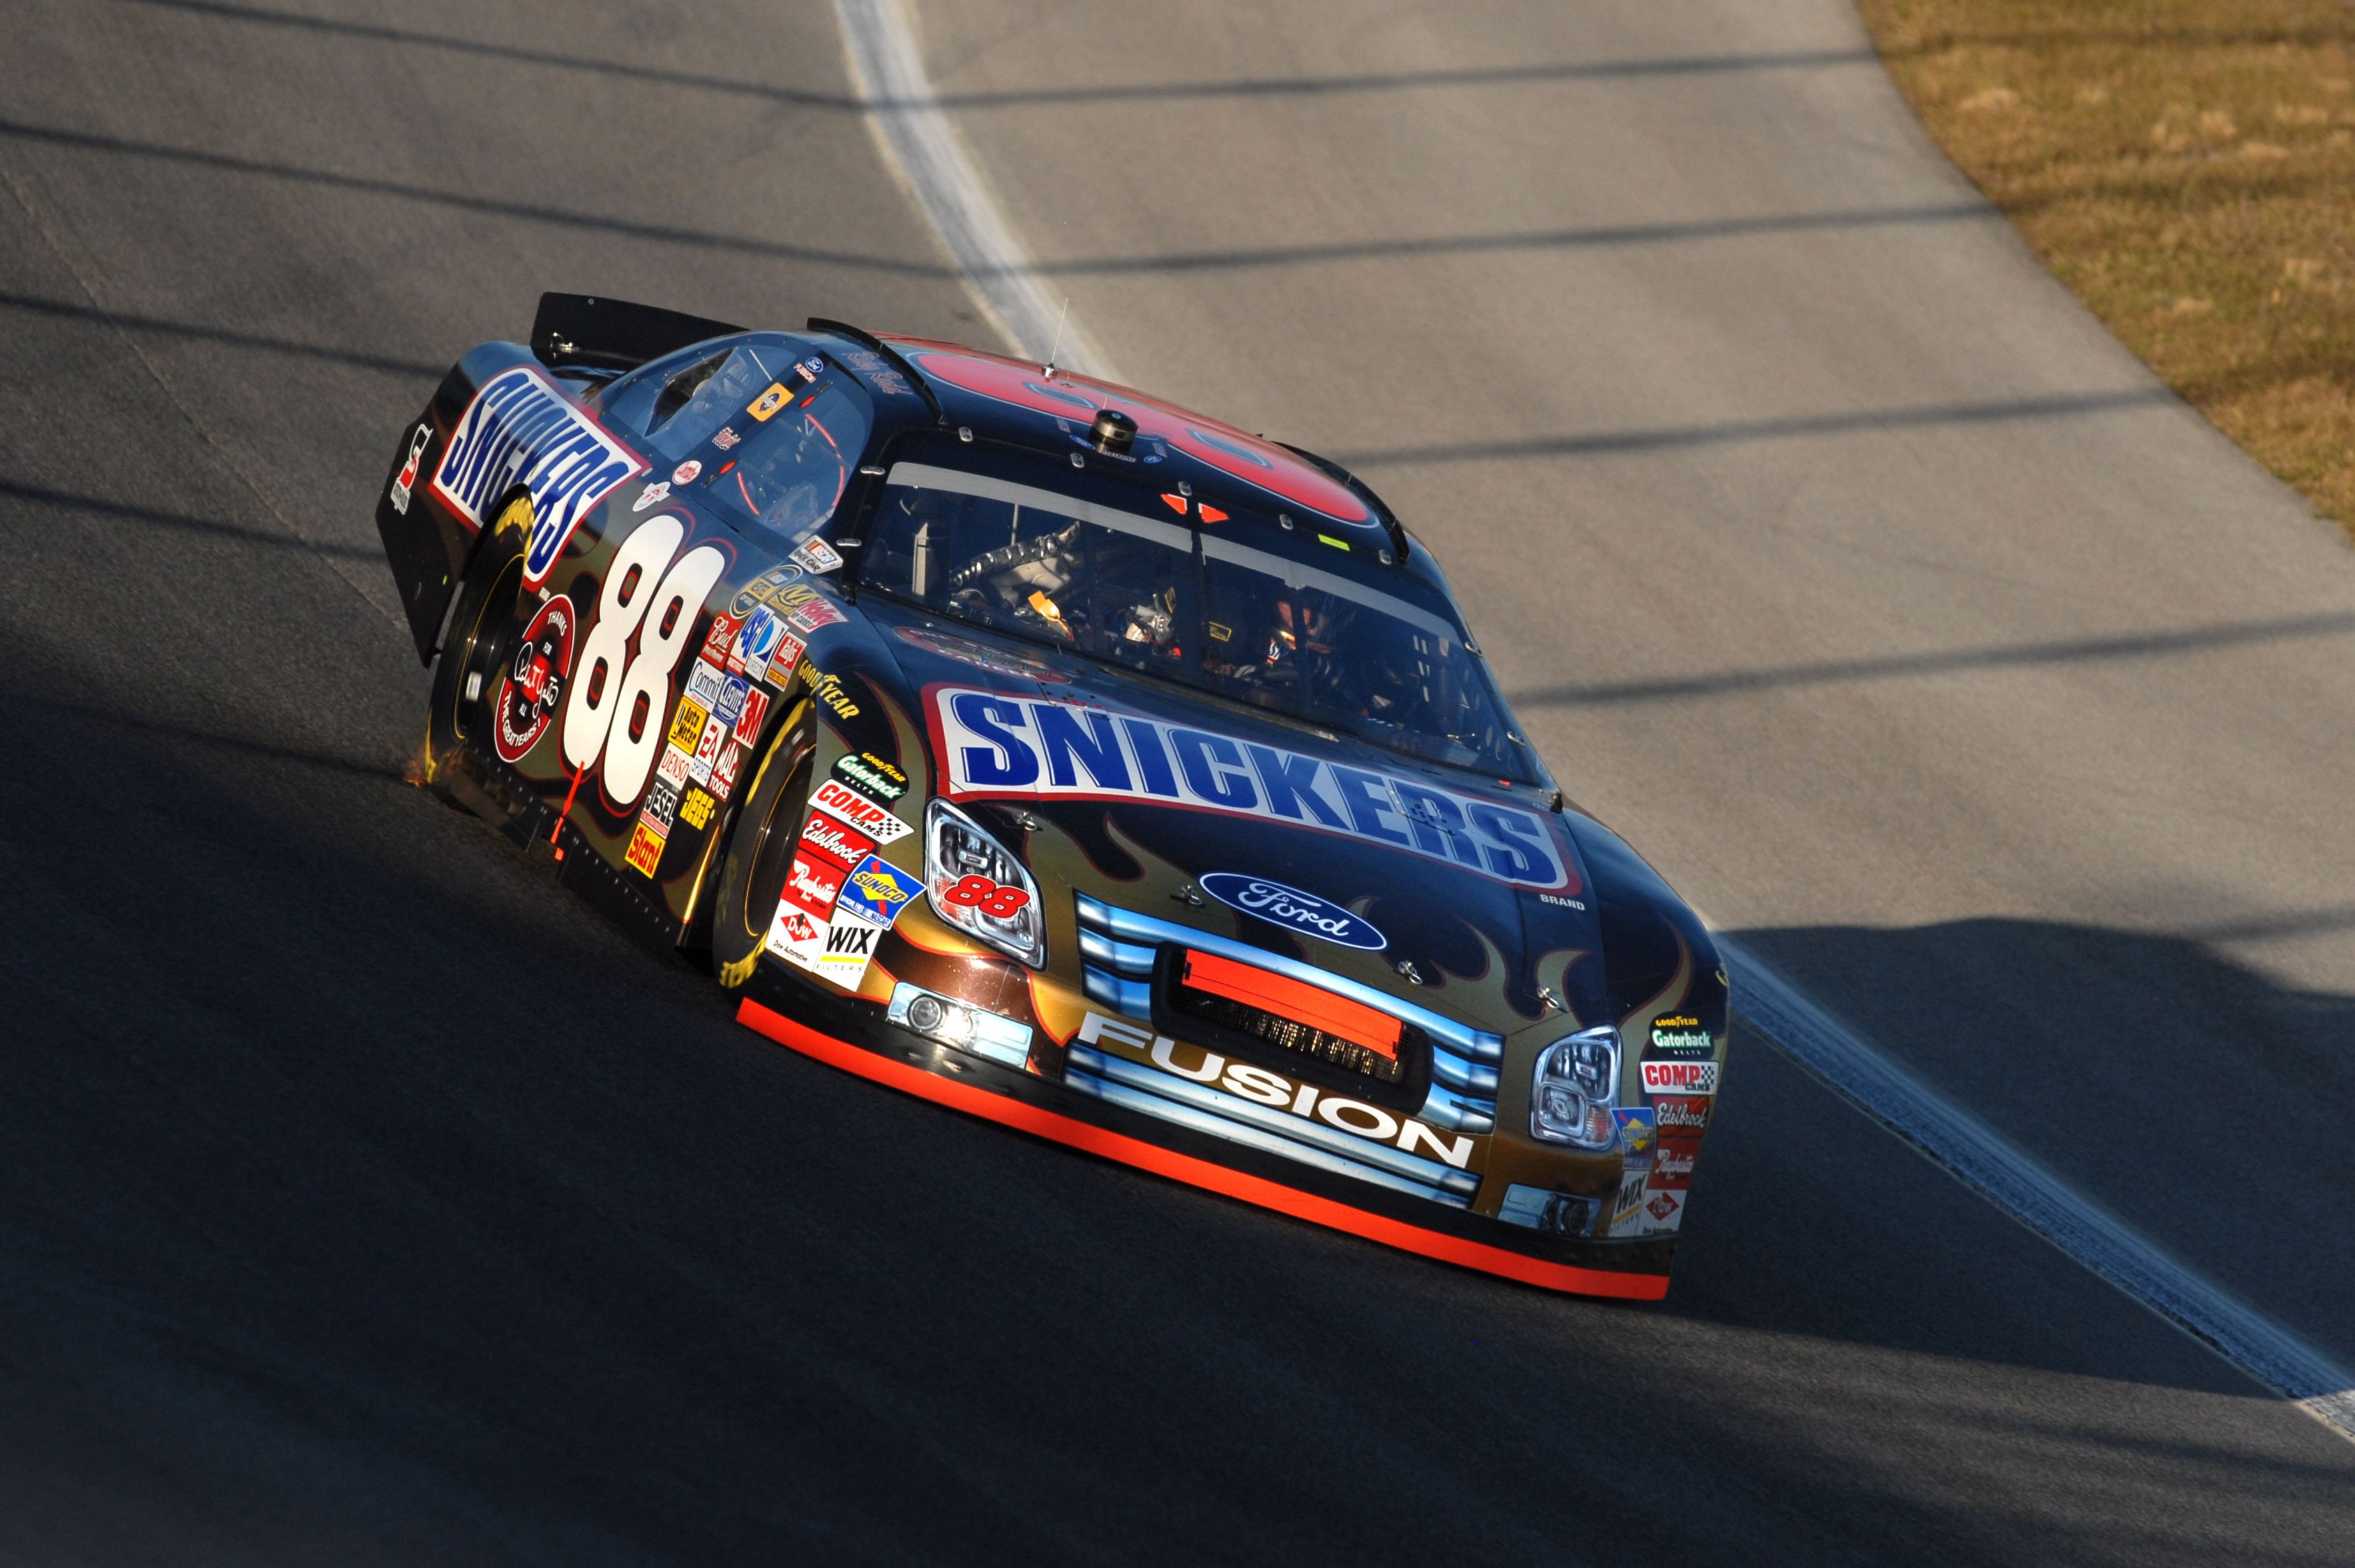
(1292, 909)
(521, 430)
(991, 743)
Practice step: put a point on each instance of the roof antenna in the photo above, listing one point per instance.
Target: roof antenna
(1049, 367)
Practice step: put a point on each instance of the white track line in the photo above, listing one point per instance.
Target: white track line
(2013, 1180)
(918, 139)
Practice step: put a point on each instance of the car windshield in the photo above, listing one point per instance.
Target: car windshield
(769, 430)
(1250, 606)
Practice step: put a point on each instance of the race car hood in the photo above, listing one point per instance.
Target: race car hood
(1461, 894)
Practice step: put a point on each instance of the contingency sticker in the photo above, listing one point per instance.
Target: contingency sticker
(836, 799)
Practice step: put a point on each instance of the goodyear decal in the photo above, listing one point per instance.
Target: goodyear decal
(990, 743)
(521, 430)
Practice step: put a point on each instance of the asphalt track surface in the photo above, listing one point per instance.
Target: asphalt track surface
(363, 1197)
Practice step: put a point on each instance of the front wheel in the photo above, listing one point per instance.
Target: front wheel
(465, 680)
(768, 826)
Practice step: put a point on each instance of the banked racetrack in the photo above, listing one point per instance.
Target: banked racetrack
(367, 1199)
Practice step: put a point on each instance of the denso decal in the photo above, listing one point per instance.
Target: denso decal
(1694, 1078)
(990, 743)
(1263, 1087)
(1292, 909)
(521, 430)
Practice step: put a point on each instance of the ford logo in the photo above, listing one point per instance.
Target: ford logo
(1292, 909)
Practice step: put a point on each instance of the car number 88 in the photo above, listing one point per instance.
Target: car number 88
(992, 899)
(664, 619)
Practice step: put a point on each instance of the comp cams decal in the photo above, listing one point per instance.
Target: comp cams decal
(521, 430)
(991, 744)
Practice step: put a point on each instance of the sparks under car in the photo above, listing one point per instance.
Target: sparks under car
(1035, 746)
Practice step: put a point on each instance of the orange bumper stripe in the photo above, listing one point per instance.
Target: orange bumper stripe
(1294, 999)
(1042, 1123)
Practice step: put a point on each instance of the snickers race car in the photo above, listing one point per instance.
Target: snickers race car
(1035, 746)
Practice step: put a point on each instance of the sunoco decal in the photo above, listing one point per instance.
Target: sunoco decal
(521, 430)
(990, 743)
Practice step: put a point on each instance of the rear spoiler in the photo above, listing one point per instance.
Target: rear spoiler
(613, 334)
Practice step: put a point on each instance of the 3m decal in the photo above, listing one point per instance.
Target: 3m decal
(521, 430)
(846, 847)
(408, 475)
(534, 682)
(1263, 1087)
(1293, 910)
(879, 890)
(645, 849)
(838, 800)
(991, 743)
(696, 810)
(756, 708)
(656, 619)
(1687, 1078)
(1680, 1033)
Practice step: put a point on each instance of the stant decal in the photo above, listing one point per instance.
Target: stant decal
(991, 744)
(1689, 1078)
(521, 430)
(534, 683)
(1292, 909)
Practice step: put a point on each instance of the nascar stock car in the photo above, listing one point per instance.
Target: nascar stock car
(1030, 744)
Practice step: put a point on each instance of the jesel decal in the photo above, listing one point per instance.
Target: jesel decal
(991, 744)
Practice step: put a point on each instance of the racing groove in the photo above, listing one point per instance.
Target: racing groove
(367, 1199)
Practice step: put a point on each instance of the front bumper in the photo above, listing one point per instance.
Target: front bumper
(846, 1033)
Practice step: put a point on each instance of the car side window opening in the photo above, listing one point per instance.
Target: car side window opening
(1388, 663)
(772, 430)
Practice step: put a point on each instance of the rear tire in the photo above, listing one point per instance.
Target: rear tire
(761, 850)
(481, 625)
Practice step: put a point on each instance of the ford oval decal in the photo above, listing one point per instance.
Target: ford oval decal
(1292, 909)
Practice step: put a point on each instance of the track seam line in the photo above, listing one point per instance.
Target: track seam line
(2016, 1183)
(920, 144)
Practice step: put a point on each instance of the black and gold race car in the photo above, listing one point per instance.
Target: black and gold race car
(1037, 747)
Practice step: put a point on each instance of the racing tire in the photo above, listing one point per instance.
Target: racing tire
(761, 850)
(467, 676)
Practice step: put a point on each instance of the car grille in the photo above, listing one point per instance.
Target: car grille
(1246, 1000)
(1118, 949)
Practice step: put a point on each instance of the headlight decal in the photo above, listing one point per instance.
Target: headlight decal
(976, 885)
